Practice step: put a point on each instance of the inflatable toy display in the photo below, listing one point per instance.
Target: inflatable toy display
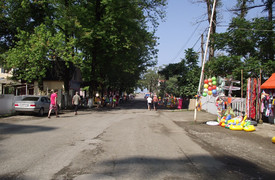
(210, 87)
(249, 128)
(212, 123)
(236, 127)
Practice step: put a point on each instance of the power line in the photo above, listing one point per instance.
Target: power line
(246, 29)
(183, 47)
(199, 38)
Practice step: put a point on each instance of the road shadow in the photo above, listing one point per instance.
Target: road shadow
(138, 103)
(6, 128)
(150, 168)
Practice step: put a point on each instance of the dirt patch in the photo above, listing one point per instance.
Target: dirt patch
(245, 152)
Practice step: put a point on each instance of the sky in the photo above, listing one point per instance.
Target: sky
(182, 30)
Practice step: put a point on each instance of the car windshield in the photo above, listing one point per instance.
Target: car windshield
(30, 98)
(18, 98)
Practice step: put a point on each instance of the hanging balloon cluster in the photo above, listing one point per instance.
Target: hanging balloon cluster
(210, 87)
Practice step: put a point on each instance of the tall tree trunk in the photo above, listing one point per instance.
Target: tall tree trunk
(269, 7)
(95, 50)
(209, 4)
(243, 7)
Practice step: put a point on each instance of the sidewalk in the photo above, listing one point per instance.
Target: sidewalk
(266, 130)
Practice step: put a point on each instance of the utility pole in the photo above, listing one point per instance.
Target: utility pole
(205, 52)
(202, 51)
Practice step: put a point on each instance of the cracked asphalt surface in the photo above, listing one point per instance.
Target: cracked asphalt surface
(130, 142)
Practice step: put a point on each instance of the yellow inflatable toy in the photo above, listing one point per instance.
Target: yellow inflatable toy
(236, 127)
(249, 128)
(273, 140)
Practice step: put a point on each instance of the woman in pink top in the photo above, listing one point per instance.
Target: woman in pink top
(53, 105)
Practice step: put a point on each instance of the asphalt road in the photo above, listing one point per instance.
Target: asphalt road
(130, 142)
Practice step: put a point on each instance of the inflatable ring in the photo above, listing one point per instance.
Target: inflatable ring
(249, 128)
(227, 126)
(253, 123)
(273, 140)
(212, 123)
(222, 124)
(236, 127)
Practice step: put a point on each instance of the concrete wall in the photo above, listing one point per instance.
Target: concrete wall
(209, 104)
(6, 104)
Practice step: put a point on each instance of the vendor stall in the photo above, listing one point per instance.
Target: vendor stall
(268, 99)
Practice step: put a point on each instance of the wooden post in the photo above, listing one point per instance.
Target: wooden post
(242, 83)
(202, 51)
(26, 89)
(260, 120)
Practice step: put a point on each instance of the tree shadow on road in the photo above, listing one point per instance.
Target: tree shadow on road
(150, 168)
(135, 104)
(7, 128)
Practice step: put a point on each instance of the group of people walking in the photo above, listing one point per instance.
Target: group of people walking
(53, 105)
(153, 101)
(106, 100)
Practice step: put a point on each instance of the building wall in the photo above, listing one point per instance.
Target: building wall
(6, 104)
(48, 86)
(3, 75)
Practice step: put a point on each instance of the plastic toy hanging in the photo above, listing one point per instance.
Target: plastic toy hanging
(210, 87)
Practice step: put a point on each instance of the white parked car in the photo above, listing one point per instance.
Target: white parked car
(34, 104)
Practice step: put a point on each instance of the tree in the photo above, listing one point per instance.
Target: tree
(183, 76)
(120, 47)
(248, 41)
(150, 81)
(209, 7)
(18, 15)
(242, 8)
(49, 44)
(108, 39)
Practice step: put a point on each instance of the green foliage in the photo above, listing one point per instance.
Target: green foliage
(28, 56)
(150, 81)
(250, 46)
(108, 39)
(223, 66)
(182, 78)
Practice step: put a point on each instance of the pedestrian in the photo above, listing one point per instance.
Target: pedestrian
(53, 105)
(155, 102)
(75, 102)
(114, 101)
(98, 101)
(149, 102)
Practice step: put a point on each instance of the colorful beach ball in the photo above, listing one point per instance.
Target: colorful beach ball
(214, 91)
(214, 82)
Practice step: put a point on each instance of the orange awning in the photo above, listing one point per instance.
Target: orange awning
(270, 83)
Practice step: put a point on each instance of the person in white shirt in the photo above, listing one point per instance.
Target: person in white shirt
(75, 102)
(149, 102)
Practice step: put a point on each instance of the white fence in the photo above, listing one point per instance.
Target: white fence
(209, 105)
(6, 104)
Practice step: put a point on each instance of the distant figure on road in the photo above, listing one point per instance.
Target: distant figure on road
(75, 101)
(155, 102)
(149, 102)
(53, 105)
